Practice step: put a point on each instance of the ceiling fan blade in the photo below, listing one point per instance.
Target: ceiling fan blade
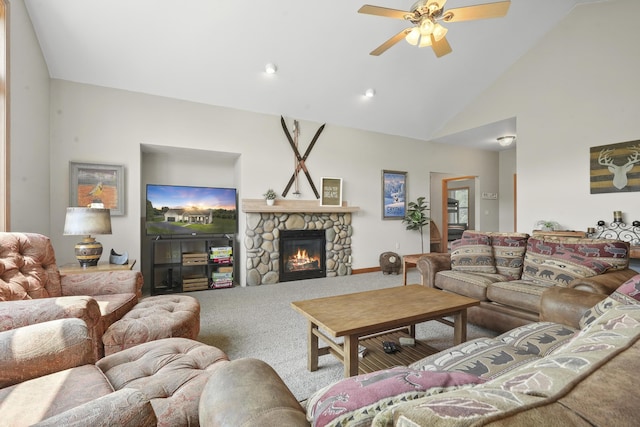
(393, 40)
(383, 11)
(441, 48)
(481, 11)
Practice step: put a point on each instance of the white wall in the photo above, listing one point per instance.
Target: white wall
(506, 197)
(577, 89)
(28, 126)
(95, 124)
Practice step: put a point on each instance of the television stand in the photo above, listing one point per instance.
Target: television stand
(183, 264)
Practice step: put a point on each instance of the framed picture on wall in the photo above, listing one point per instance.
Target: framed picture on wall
(615, 168)
(96, 183)
(330, 191)
(394, 194)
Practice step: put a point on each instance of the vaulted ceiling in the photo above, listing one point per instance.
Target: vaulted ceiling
(215, 52)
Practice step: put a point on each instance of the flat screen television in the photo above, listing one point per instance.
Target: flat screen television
(178, 210)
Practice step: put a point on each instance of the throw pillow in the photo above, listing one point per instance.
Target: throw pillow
(508, 251)
(472, 253)
(627, 293)
(355, 401)
(549, 262)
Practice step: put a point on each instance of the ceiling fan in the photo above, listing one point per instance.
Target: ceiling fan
(426, 16)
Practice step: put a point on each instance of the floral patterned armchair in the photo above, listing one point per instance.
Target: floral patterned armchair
(33, 291)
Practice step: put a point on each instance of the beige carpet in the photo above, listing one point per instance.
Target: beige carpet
(259, 322)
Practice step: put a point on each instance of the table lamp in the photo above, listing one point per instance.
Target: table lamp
(85, 222)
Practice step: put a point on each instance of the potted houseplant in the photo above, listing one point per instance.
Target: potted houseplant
(270, 197)
(546, 225)
(416, 218)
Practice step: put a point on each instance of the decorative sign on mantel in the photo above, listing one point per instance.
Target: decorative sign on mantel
(331, 189)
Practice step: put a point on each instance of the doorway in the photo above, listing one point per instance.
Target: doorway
(458, 212)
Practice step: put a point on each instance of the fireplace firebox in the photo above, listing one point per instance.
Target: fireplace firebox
(302, 254)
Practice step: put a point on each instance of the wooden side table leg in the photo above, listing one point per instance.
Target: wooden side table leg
(312, 349)
(404, 272)
(460, 327)
(350, 355)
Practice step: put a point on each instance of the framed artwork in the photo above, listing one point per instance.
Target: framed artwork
(330, 191)
(615, 168)
(96, 183)
(394, 194)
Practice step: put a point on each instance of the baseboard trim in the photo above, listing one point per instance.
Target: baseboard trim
(365, 270)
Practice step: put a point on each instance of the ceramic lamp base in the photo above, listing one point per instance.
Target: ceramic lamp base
(88, 252)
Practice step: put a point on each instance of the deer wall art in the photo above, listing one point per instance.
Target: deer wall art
(615, 167)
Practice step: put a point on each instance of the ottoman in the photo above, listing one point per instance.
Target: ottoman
(170, 372)
(154, 318)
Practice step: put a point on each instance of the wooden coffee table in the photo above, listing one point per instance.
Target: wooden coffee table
(373, 315)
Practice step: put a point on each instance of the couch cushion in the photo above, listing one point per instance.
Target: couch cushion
(356, 400)
(114, 306)
(538, 338)
(40, 398)
(557, 262)
(483, 357)
(520, 294)
(472, 285)
(472, 253)
(627, 293)
(508, 252)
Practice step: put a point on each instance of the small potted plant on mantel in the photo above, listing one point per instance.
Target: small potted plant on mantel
(270, 197)
(546, 225)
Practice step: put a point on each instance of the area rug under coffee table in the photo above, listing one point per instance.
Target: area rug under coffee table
(370, 317)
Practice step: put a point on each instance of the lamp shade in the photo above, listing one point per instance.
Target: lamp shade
(87, 221)
(84, 222)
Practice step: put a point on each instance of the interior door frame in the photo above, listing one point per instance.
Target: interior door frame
(445, 199)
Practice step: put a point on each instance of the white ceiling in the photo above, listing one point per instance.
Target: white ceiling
(215, 51)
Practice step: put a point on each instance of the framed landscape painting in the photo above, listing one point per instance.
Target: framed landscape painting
(394, 194)
(96, 183)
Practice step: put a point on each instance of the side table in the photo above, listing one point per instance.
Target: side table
(408, 261)
(75, 268)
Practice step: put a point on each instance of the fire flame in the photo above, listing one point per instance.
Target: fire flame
(302, 260)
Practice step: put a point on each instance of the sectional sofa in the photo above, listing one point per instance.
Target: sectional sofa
(544, 373)
(508, 272)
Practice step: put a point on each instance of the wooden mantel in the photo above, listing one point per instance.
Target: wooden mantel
(293, 206)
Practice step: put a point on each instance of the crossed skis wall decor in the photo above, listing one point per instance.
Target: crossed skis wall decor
(300, 160)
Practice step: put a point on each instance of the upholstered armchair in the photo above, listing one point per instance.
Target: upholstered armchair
(33, 291)
(47, 378)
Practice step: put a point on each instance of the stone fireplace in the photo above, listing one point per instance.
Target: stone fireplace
(267, 225)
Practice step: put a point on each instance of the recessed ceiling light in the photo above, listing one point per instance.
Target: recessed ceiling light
(270, 68)
(370, 93)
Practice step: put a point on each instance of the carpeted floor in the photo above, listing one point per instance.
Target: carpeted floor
(259, 322)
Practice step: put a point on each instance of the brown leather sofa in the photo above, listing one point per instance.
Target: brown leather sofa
(508, 272)
(33, 291)
(544, 373)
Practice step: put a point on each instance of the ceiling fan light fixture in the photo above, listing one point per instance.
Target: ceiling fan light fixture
(506, 140)
(426, 27)
(413, 37)
(439, 32)
(425, 41)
